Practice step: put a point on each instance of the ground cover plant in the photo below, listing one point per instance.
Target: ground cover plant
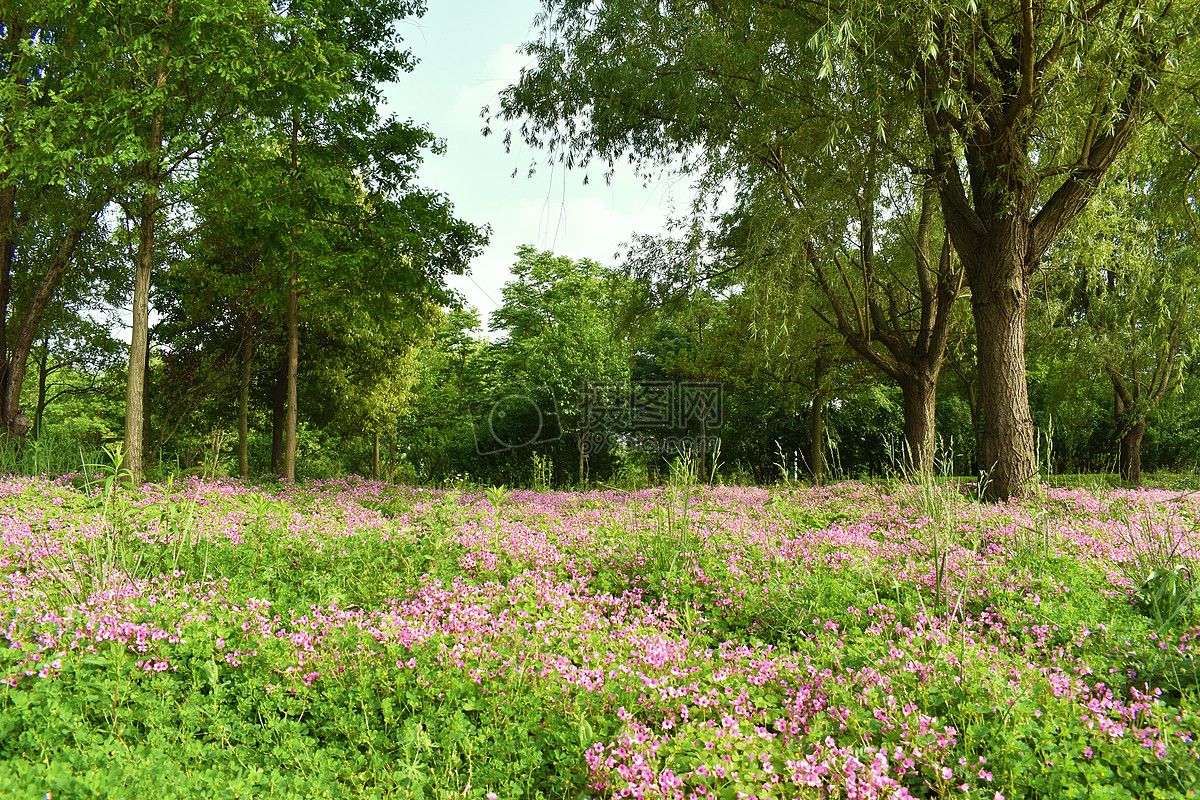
(357, 639)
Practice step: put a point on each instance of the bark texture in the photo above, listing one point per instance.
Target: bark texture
(1131, 450)
(43, 374)
(919, 390)
(1008, 432)
(139, 345)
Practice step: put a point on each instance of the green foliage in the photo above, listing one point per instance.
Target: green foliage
(290, 172)
(372, 714)
(49, 454)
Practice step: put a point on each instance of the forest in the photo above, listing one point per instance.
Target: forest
(981, 270)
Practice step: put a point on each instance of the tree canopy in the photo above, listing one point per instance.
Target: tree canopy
(1014, 113)
(927, 237)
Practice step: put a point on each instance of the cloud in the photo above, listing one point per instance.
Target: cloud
(553, 210)
(569, 219)
(502, 69)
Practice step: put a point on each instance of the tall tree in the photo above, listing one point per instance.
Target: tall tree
(206, 71)
(61, 161)
(1019, 144)
(1134, 307)
(561, 337)
(1015, 112)
(345, 148)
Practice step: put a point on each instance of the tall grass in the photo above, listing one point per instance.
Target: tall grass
(48, 454)
(1163, 566)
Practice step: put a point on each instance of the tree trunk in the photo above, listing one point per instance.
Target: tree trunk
(584, 419)
(14, 33)
(1130, 415)
(244, 409)
(150, 454)
(293, 340)
(8, 244)
(43, 371)
(582, 460)
(14, 375)
(1131, 449)
(972, 394)
(293, 364)
(375, 456)
(816, 423)
(139, 345)
(1008, 434)
(816, 432)
(279, 415)
(920, 403)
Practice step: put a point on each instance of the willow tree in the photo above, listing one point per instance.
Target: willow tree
(1132, 309)
(886, 281)
(1014, 112)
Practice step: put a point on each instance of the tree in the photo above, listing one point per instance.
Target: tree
(1051, 98)
(559, 339)
(72, 358)
(903, 334)
(117, 102)
(690, 318)
(61, 161)
(369, 272)
(362, 368)
(206, 72)
(1134, 307)
(349, 169)
(1013, 112)
(881, 285)
(435, 424)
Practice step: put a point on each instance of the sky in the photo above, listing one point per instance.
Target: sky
(468, 54)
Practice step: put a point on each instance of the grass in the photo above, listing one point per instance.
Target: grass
(355, 639)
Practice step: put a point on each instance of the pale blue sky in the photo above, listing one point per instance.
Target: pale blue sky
(468, 53)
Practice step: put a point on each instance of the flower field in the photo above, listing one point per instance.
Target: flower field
(357, 639)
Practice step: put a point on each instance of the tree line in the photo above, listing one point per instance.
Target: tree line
(234, 157)
(627, 374)
(894, 202)
(825, 123)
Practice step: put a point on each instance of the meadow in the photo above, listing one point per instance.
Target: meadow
(349, 638)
